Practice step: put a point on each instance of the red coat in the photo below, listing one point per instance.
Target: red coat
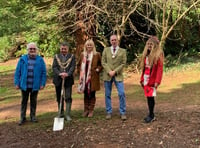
(155, 74)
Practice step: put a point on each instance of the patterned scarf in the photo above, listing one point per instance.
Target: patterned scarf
(84, 80)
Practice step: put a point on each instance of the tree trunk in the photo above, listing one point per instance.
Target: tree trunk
(86, 27)
(80, 35)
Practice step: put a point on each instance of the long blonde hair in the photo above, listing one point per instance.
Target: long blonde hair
(89, 41)
(155, 54)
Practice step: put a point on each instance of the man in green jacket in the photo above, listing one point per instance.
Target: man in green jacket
(113, 61)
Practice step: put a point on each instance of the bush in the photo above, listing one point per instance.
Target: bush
(20, 52)
(4, 48)
(3, 55)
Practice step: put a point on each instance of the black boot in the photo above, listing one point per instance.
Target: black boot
(151, 104)
(21, 121)
(68, 111)
(61, 112)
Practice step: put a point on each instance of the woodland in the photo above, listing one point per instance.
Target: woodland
(48, 22)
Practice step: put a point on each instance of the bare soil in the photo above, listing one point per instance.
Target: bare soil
(177, 122)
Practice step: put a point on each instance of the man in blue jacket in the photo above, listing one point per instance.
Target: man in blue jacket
(30, 77)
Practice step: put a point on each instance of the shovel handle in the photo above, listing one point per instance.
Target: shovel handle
(62, 95)
(63, 88)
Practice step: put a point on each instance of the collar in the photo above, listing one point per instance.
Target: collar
(116, 50)
(31, 57)
(117, 47)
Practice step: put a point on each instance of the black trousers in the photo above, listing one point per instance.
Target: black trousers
(89, 96)
(33, 103)
(68, 94)
(151, 105)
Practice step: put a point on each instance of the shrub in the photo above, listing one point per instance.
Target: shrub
(4, 48)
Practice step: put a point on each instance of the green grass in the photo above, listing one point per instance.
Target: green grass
(183, 67)
(46, 120)
(182, 87)
(3, 90)
(8, 95)
(6, 69)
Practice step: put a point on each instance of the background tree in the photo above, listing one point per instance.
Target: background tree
(165, 15)
(78, 21)
(48, 22)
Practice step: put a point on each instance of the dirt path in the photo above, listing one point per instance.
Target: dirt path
(177, 112)
(11, 110)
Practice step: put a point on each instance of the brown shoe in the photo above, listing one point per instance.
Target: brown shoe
(85, 114)
(90, 114)
(108, 116)
(123, 117)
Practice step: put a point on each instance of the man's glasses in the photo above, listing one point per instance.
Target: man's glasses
(63, 48)
(32, 48)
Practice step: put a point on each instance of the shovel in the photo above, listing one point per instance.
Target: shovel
(58, 121)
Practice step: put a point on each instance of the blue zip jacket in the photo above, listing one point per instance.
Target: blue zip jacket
(39, 73)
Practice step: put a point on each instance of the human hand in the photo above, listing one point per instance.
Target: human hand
(41, 87)
(112, 73)
(17, 87)
(156, 85)
(63, 75)
(97, 69)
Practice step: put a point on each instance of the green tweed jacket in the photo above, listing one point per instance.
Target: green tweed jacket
(116, 63)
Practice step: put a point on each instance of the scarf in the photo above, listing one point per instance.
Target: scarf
(85, 76)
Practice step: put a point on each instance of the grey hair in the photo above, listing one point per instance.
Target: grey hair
(30, 44)
(64, 44)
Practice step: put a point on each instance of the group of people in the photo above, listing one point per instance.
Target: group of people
(30, 77)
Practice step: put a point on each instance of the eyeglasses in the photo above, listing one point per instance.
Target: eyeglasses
(32, 48)
(63, 48)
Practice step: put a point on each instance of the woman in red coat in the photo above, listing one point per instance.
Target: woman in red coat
(152, 71)
(89, 67)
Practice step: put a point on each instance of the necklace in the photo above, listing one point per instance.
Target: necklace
(114, 52)
(63, 65)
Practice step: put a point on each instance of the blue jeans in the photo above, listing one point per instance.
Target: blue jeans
(122, 99)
